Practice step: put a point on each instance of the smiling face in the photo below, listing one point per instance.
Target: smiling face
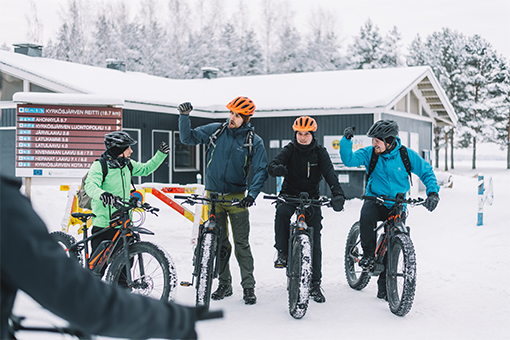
(304, 137)
(379, 146)
(235, 120)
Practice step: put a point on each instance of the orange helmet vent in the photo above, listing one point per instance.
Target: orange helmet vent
(242, 105)
(304, 123)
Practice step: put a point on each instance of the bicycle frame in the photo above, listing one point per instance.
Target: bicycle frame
(392, 226)
(299, 226)
(208, 227)
(125, 231)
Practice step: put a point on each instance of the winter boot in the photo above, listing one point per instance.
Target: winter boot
(281, 260)
(249, 296)
(222, 292)
(316, 293)
(381, 294)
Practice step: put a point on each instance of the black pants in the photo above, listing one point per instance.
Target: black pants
(313, 218)
(371, 213)
(107, 235)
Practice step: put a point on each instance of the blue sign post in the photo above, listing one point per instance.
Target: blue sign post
(485, 193)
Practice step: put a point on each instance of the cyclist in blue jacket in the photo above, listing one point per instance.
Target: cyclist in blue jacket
(228, 163)
(389, 178)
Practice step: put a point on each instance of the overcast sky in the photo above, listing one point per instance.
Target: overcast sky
(487, 18)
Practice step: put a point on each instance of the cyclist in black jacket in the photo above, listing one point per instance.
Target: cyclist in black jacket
(304, 163)
(33, 262)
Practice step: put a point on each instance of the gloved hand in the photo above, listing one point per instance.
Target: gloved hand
(185, 108)
(246, 202)
(164, 148)
(431, 201)
(337, 202)
(279, 170)
(107, 198)
(349, 132)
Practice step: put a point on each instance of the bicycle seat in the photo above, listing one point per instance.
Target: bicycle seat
(83, 216)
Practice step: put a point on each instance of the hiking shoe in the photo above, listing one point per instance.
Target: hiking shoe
(281, 260)
(366, 262)
(382, 294)
(222, 292)
(316, 293)
(249, 296)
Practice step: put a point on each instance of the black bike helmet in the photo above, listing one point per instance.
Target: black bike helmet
(118, 141)
(383, 129)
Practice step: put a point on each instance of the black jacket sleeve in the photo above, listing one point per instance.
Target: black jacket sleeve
(328, 171)
(33, 262)
(281, 159)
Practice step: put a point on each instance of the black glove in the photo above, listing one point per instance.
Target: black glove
(349, 132)
(279, 170)
(431, 201)
(107, 198)
(185, 108)
(246, 202)
(164, 148)
(337, 202)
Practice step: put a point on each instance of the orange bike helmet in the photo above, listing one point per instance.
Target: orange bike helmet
(305, 123)
(242, 105)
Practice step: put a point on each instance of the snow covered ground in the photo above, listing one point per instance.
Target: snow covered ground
(463, 289)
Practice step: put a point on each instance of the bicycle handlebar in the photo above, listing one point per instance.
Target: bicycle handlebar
(195, 198)
(134, 203)
(301, 199)
(400, 199)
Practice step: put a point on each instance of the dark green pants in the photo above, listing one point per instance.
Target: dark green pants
(240, 226)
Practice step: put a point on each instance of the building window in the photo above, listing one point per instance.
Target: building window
(185, 156)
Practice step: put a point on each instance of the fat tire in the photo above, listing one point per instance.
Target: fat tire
(300, 273)
(356, 277)
(160, 274)
(205, 269)
(401, 287)
(66, 241)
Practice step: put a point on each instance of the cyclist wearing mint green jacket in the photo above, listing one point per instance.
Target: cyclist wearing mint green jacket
(389, 177)
(228, 163)
(117, 183)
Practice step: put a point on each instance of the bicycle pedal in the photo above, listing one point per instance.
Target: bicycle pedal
(186, 284)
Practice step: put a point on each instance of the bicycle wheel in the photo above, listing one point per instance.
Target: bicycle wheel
(205, 269)
(300, 273)
(401, 282)
(66, 241)
(152, 272)
(356, 277)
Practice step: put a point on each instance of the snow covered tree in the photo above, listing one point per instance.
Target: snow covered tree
(391, 52)
(444, 52)
(34, 24)
(323, 48)
(270, 16)
(74, 42)
(482, 73)
(365, 51)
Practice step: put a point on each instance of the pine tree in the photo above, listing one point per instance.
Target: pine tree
(391, 55)
(365, 52)
(480, 75)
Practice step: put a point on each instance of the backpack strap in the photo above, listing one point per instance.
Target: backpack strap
(405, 159)
(373, 162)
(104, 167)
(215, 135)
(407, 163)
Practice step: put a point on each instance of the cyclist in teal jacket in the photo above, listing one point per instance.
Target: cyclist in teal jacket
(388, 178)
(227, 162)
